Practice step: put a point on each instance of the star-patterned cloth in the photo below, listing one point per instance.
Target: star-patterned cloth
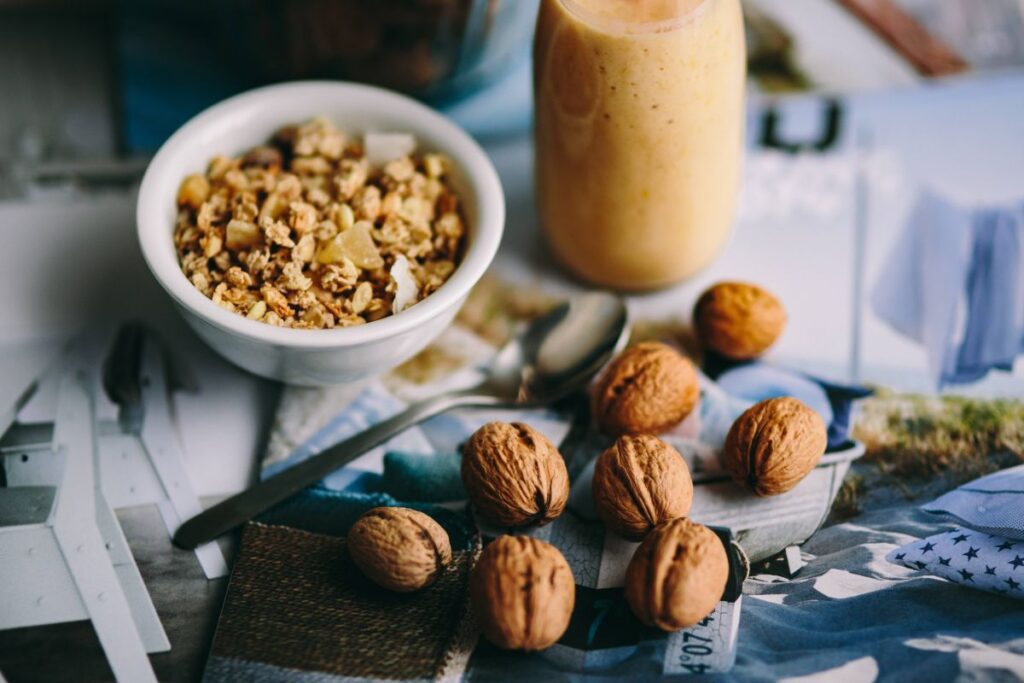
(972, 558)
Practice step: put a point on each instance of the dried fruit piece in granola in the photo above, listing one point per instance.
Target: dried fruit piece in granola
(355, 244)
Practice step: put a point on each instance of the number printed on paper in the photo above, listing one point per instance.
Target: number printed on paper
(707, 647)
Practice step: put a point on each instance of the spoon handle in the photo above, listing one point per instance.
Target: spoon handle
(242, 507)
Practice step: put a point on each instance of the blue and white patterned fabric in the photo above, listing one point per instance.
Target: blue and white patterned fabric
(987, 551)
(968, 557)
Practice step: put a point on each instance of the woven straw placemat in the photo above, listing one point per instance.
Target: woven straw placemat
(296, 602)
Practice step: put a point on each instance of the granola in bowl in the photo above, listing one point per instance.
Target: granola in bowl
(319, 230)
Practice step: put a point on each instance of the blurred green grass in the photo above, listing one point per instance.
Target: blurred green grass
(920, 446)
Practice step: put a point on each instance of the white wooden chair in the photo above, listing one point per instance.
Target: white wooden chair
(63, 556)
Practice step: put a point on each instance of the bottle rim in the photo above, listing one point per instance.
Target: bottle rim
(623, 26)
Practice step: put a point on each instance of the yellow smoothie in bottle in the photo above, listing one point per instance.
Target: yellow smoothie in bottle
(639, 127)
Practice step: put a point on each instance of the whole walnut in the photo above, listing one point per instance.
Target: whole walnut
(514, 475)
(738, 320)
(640, 482)
(677, 575)
(399, 549)
(773, 445)
(523, 592)
(648, 389)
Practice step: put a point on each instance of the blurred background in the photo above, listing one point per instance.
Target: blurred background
(921, 93)
(856, 109)
(91, 87)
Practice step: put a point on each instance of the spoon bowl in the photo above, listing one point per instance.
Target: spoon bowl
(560, 352)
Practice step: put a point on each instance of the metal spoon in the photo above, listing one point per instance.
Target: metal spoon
(555, 355)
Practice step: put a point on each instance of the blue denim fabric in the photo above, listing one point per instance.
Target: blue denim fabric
(757, 381)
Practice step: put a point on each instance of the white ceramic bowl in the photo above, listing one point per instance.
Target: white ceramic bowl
(317, 357)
